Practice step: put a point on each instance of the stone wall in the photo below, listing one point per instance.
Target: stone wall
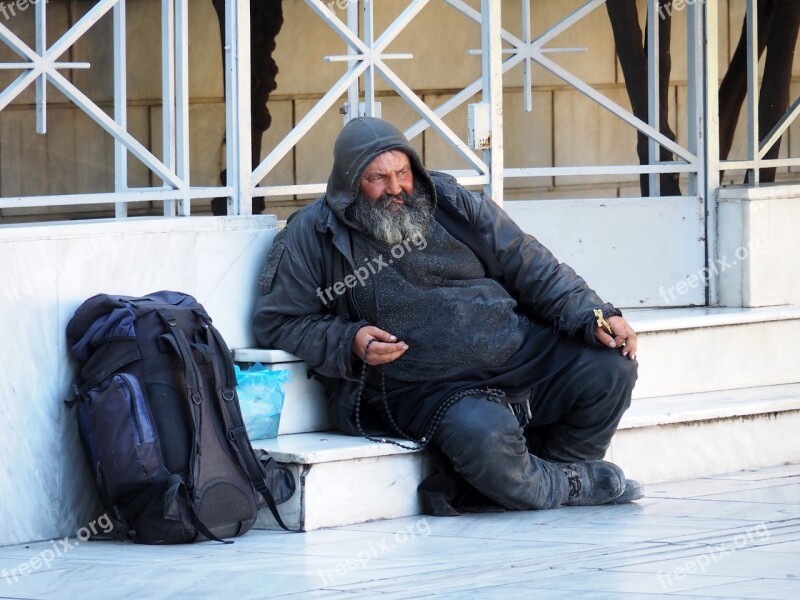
(565, 128)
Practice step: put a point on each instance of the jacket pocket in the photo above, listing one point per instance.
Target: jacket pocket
(122, 437)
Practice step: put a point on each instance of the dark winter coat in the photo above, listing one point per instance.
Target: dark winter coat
(313, 253)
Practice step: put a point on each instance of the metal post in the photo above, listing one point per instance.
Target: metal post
(182, 103)
(492, 67)
(353, 94)
(168, 92)
(712, 160)
(238, 117)
(695, 85)
(369, 74)
(653, 91)
(753, 134)
(120, 104)
(41, 81)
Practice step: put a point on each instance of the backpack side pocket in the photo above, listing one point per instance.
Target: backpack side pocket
(126, 452)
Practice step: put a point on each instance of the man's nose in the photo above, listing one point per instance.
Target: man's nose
(393, 185)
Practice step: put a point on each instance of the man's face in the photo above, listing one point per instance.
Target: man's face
(390, 173)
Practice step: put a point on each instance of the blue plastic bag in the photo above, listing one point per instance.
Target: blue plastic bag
(261, 399)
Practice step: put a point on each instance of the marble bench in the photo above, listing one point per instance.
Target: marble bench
(341, 479)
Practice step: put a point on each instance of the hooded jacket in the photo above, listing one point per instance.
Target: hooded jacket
(313, 254)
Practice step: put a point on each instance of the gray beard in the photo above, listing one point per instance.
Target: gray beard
(410, 222)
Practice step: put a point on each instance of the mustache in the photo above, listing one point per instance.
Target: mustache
(386, 201)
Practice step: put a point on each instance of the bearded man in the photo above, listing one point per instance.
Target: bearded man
(428, 314)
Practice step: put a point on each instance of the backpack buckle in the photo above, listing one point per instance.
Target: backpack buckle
(236, 432)
(168, 318)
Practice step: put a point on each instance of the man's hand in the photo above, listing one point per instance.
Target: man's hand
(624, 336)
(385, 350)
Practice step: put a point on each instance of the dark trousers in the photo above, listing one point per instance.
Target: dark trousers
(575, 412)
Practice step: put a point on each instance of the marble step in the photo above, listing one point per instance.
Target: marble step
(684, 351)
(693, 435)
(681, 351)
(345, 480)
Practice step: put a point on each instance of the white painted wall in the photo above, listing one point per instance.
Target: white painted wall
(633, 252)
(758, 245)
(47, 271)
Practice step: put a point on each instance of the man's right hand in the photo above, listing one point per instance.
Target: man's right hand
(385, 350)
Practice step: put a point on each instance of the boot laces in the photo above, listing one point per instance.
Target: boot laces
(574, 482)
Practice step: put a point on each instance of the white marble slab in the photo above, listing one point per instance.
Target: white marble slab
(588, 552)
(48, 271)
(662, 246)
(701, 448)
(263, 355)
(686, 408)
(654, 320)
(30, 403)
(326, 446)
(726, 356)
(227, 267)
(351, 491)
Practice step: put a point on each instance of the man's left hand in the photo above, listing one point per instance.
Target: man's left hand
(624, 336)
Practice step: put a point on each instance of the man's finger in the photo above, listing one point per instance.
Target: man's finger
(382, 336)
(381, 353)
(605, 339)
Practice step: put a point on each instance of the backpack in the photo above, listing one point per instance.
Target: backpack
(160, 422)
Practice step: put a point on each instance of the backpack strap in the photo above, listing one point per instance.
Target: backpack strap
(105, 363)
(165, 481)
(177, 340)
(237, 433)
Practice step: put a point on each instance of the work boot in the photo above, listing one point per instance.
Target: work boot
(593, 482)
(633, 491)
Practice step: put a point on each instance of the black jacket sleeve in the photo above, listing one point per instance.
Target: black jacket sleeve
(290, 313)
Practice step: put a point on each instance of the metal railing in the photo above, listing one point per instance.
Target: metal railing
(367, 59)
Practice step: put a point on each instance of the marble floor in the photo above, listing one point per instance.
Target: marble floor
(729, 536)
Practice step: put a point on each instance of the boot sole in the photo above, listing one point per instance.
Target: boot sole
(633, 491)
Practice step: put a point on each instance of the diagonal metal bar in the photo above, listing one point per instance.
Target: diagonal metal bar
(84, 24)
(613, 107)
(780, 128)
(459, 99)
(562, 26)
(308, 121)
(101, 118)
(329, 17)
(397, 26)
(424, 110)
(17, 45)
(18, 86)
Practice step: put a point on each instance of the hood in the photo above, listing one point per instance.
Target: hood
(357, 145)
